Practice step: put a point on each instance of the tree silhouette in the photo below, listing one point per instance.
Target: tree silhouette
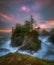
(25, 36)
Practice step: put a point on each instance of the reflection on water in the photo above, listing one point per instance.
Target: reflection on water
(46, 51)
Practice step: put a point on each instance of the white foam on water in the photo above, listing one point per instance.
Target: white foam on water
(45, 52)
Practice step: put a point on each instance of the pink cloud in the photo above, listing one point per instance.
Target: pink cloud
(39, 4)
(12, 1)
(43, 2)
(25, 9)
(47, 24)
(9, 17)
(38, 17)
(51, 22)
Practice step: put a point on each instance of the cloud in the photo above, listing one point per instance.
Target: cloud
(44, 2)
(13, 1)
(10, 18)
(4, 24)
(39, 4)
(48, 10)
(7, 21)
(47, 24)
(14, 11)
(25, 9)
(51, 22)
(38, 17)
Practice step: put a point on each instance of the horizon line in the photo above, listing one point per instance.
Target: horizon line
(5, 30)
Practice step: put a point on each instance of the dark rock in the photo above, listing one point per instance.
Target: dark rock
(44, 33)
(30, 44)
(3, 49)
(17, 41)
(52, 31)
(51, 39)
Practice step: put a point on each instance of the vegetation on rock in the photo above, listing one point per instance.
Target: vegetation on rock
(21, 59)
(25, 36)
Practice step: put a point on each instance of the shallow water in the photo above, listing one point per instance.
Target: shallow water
(46, 51)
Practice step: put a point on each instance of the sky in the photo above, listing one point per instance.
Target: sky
(17, 11)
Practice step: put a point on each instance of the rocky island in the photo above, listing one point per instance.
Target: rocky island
(26, 36)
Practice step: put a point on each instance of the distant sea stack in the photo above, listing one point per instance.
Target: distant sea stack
(25, 36)
(51, 38)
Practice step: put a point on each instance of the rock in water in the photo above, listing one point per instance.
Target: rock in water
(3, 49)
(51, 39)
(28, 42)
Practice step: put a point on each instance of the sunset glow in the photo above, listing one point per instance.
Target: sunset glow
(9, 17)
(51, 22)
(6, 31)
(17, 11)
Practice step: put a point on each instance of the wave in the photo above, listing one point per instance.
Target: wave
(46, 51)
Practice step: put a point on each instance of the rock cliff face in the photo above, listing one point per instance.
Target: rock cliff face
(51, 39)
(27, 42)
(30, 44)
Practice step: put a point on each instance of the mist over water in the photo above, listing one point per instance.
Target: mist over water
(46, 51)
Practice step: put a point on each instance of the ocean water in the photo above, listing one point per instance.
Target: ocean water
(46, 51)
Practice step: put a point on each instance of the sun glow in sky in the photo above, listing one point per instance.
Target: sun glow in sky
(51, 22)
(47, 24)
